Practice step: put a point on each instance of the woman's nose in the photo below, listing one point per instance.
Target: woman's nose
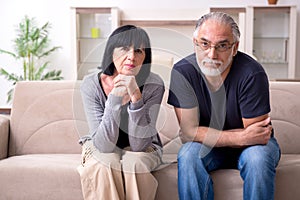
(130, 54)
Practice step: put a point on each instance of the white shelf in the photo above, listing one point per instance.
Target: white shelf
(269, 34)
(92, 26)
(271, 37)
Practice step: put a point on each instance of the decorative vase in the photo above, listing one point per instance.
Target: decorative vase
(95, 32)
(272, 2)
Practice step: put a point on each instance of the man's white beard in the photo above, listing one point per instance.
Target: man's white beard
(213, 70)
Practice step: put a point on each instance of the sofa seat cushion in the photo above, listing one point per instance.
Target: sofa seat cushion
(34, 175)
(228, 184)
(288, 177)
(166, 176)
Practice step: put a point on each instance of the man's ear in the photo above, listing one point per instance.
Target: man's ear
(194, 46)
(235, 48)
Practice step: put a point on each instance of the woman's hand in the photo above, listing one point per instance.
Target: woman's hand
(130, 84)
(120, 91)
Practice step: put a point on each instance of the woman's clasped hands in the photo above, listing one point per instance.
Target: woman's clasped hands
(125, 86)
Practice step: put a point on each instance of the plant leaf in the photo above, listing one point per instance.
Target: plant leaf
(40, 71)
(31, 45)
(53, 75)
(49, 51)
(10, 95)
(9, 76)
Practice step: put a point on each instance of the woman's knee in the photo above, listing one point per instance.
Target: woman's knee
(140, 162)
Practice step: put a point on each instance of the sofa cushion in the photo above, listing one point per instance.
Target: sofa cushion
(167, 123)
(228, 184)
(167, 182)
(4, 133)
(46, 117)
(40, 176)
(287, 177)
(285, 115)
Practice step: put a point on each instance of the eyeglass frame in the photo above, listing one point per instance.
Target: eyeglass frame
(216, 47)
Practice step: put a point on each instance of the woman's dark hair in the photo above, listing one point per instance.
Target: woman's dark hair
(124, 36)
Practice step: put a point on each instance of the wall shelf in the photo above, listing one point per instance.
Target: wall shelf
(271, 38)
(91, 28)
(159, 23)
(269, 34)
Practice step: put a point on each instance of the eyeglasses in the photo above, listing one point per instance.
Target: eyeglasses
(221, 47)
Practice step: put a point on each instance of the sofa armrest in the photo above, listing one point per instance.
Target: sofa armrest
(4, 134)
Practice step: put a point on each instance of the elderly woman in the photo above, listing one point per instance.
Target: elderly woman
(121, 103)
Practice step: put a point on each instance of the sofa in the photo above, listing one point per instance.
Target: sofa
(39, 150)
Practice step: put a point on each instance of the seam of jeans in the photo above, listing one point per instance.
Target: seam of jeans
(205, 195)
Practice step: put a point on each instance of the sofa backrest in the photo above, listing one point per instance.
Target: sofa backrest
(46, 117)
(167, 123)
(285, 115)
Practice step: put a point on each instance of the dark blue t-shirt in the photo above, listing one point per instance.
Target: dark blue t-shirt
(244, 94)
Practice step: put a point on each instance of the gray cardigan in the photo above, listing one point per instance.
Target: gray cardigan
(103, 115)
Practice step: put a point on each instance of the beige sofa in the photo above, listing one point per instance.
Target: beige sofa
(39, 151)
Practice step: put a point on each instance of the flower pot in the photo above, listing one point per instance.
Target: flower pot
(272, 2)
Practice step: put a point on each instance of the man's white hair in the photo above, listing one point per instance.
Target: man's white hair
(222, 18)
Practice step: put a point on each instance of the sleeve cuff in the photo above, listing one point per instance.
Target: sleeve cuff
(137, 105)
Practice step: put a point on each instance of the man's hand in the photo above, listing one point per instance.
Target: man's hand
(257, 133)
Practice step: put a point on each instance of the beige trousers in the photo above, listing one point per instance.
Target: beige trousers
(117, 176)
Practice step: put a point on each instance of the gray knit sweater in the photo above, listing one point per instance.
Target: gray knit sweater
(103, 115)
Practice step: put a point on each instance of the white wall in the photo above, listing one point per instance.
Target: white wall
(57, 12)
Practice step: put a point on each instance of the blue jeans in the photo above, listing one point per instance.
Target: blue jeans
(257, 166)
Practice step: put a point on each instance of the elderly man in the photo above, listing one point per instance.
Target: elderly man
(221, 99)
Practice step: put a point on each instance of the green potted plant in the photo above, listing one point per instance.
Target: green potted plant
(31, 47)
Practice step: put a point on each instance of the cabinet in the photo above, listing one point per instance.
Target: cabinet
(271, 38)
(269, 34)
(92, 26)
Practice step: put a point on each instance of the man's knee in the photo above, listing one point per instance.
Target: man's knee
(257, 158)
(188, 154)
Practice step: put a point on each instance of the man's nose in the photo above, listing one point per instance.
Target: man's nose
(212, 52)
